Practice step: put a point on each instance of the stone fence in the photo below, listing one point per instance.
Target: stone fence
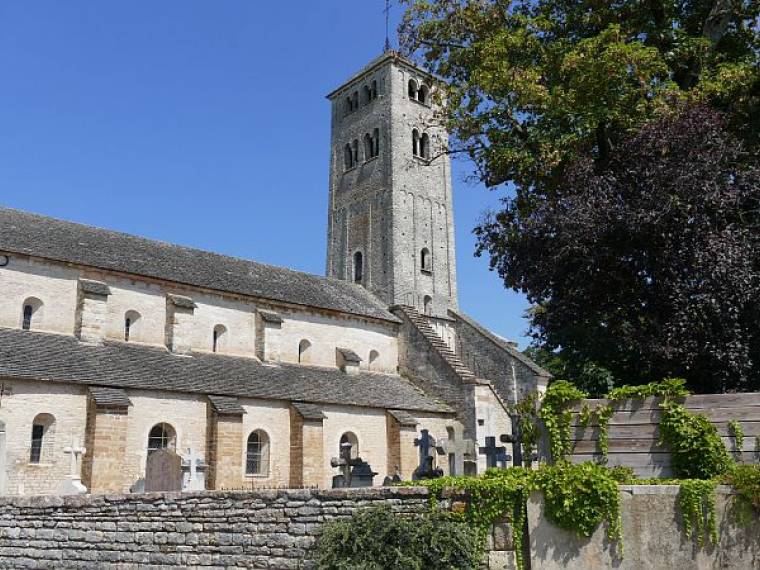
(210, 529)
(277, 529)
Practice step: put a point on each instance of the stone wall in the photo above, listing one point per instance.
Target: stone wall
(653, 537)
(264, 529)
(277, 529)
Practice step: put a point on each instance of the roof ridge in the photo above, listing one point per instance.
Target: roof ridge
(189, 248)
(132, 254)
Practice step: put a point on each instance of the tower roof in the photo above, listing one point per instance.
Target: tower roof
(391, 55)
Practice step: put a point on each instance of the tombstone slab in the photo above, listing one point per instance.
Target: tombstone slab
(163, 471)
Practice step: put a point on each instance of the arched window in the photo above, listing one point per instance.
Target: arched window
(162, 436)
(348, 106)
(30, 312)
(218, 338)
(376, 142)
(355, 152)
(366, 94)
(373, 356)
(43, 429)
(415, 142)
(131, 324)
(425, 146)
(422, 94)
(358, 267)
(304, 351)
(427, 304)
(257, 454)
(348, 156)
(373, 90)
(425, 262)
(368, 147)
(350, 437)
(412, 89)
(355, 101)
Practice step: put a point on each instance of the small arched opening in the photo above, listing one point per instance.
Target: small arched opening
(257, 454)
(425, 146)
(219, 338)
(358, 267)
(43, 438)
(304, 351)
(162, 436)
(412, 89)
(372, 361)
(427, 305)
(415, 142)
(368, 147)
(131, 325)
(426, 264)
(423, 93)
(31, 313)
(349, 437)
(348, 156)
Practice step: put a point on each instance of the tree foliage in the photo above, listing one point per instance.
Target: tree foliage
(533, 84)
(649, 265)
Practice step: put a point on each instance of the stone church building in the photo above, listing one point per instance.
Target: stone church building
(121, 345)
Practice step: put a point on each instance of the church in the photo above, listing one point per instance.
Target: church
(114, 346)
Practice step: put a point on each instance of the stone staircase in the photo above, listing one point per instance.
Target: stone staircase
(420, 322)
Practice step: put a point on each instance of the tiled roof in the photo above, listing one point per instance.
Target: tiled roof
(309, 411)
(349, 355)
(404, 418)
(226, 405)
(94, 287)
(109, 397)
(31, 234)
(501, 343)
(59, 358)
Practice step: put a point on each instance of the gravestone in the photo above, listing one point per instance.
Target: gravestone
(460, 452)
(354, 472)
(426, 468)
(496, 456)
(194, 470)
(163, 471)
(72, 485)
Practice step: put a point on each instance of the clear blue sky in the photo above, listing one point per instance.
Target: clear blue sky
(199, 122)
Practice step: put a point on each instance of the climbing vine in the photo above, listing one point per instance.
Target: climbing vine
(737, 432)
(696, 450)
(696, 500)
(556, 415)
(578, 497)
(526, 411)
(745, 479)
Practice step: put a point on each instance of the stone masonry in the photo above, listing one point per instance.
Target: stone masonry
(264, 529)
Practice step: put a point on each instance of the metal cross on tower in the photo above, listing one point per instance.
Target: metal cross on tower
(387, 11)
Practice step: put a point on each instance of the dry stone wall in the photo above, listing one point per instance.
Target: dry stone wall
(263, 529)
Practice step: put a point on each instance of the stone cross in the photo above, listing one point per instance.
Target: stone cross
(74, 452)
(344, 462)
(192, 459)
(495, 456)
(425, 442)
(73, 484)
(425, 469)
(457, 449)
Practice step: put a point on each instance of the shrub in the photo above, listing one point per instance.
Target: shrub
(377, 539)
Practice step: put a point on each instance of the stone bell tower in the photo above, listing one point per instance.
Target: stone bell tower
(390, 220)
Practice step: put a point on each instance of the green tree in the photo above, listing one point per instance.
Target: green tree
(533, 84)
(545, 95)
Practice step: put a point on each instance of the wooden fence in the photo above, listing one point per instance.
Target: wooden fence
(634, 432)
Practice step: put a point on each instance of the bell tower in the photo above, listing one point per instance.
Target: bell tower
(390, 219)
